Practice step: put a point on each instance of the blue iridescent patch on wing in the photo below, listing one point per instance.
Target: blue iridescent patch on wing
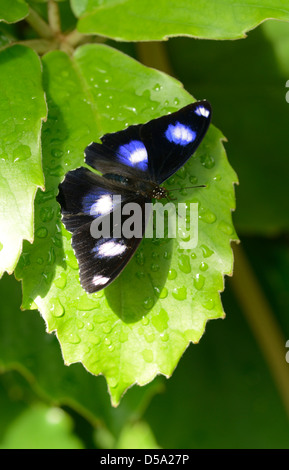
(134, 154)
(180, 134)
(202, 111)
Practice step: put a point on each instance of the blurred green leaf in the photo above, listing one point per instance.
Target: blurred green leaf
(22, 108)
(10, 12)
(128, 338)
(137, 436)
(41, 427)
(132, 20)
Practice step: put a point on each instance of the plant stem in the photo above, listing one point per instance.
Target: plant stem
(41, 46)
(154, 54)
(39, 25)
(74, 38)
(262, 322)
(54, 16)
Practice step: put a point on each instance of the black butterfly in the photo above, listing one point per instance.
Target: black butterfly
(133, 162)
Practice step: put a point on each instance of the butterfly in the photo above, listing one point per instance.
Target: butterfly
(134, 162)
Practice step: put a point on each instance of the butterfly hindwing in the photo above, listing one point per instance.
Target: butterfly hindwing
(89, 204)
(101, 259)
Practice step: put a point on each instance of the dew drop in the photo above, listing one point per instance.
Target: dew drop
(56, 153)
(225, 228)
(71, 260)
(41, 232)
(79, 324)
(106, 329)
(51, 256)
(57, 309)
(113, 383)
(163, 293)
(207, 252)
(148, 303)
(145, 320)
(25, 259)
(193, 179)
(180, 293)
(193, 255)
(207, 161)
(164, 337)
(209, 304)
(139, 257)
(90, 326)
(207, 216)
(203, 266)
(39, 260)
(140, 274)
(160, 321)
(157, 87)
(46, 214)
(172, 274)
(149, 337)
(182, 173)
(199, 281)
(167, 255)
(56, 171)
(21, 153)
(96, 340)
(100, 318)
(155, 267)
(60, 281)
(73, 338)
(176, 101)
(148, 355)
(184, 263)
(45, 196)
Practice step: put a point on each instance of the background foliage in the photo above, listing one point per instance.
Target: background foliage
(231, 390)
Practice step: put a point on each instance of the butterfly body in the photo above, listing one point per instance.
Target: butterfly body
(134, 163)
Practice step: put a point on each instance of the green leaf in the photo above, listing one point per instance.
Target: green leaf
(41, 427)
(132, 20)
(128, 334)
(11, 12)
(22, 108)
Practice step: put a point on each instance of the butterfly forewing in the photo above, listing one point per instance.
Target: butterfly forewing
(171, 140)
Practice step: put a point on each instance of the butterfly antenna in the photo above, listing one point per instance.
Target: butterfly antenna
(188, 187)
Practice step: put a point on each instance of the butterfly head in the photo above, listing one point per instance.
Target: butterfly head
(159, 193)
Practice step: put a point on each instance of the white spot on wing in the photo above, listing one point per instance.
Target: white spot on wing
(98, 280)
(134, 153)
(202, 111)
(102, 206)
(139, 155)
(180, 134)
(111, 248)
